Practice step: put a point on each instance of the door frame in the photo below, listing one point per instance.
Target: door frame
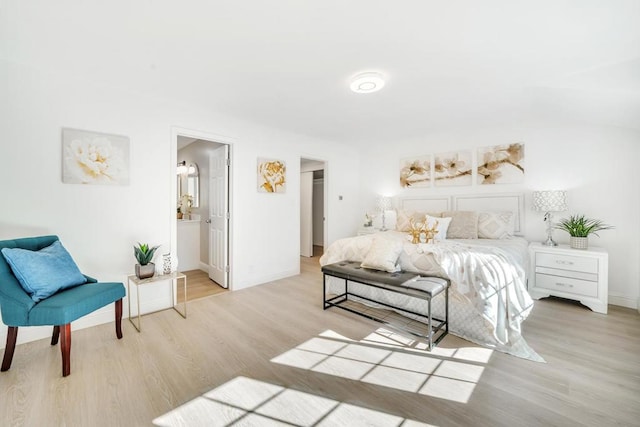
(325, 196)
(306, 190)
(177, 131)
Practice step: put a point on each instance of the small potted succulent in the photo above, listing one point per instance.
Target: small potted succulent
(144, 254)
(579, 228)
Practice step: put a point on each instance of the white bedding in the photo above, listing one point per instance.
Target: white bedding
(488, 299)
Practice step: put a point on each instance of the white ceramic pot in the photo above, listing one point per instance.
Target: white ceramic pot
(579, 242)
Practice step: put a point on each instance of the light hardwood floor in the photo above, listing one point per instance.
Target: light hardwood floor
(257, 335)
(199, 286)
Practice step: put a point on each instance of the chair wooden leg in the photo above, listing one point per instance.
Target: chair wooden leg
(12, 335)
(119, 318)
(65, 348)
(56, 335)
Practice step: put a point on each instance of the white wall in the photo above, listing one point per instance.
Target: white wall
(99, 224)
(597, 166)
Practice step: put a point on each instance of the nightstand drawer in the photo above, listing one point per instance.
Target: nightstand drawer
(567, 262)
(567, 284)
(567, 273)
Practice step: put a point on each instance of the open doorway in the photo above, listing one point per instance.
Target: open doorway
(312, 207)
(201, 237)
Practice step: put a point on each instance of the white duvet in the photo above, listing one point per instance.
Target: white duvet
(488, 299)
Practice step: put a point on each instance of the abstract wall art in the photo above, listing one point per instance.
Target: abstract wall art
(415, 172)
(453, 168)
(501, 164)
(272, 176)
(94, 158)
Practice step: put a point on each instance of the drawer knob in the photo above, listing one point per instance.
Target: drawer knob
(558, 261)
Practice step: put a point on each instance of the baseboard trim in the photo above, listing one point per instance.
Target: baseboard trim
(624, 301)
(266, 279)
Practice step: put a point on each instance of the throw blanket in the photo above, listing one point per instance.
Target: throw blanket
(488, 297)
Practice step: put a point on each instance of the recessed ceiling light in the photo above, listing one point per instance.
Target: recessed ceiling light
(367, 82)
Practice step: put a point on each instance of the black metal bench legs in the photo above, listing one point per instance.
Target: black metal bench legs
(411, 284)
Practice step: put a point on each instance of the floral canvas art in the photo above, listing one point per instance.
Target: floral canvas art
(272, 176)
(501, 164)
(415, 172)
(452, 168)
(94, 158)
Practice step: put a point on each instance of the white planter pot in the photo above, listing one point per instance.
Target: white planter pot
(579, 242)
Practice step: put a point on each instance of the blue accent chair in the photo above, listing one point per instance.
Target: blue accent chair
(58, 310)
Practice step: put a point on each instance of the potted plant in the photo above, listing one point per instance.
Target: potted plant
(579, 228)
(144, 254)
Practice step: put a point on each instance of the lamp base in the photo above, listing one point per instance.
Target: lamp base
(548, 219)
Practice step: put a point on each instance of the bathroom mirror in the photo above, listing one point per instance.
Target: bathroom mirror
(193, 183)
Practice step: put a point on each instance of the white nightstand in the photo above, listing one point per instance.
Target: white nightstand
(575, 274)
(362, 231)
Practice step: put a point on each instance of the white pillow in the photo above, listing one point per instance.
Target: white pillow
(383, 255)
(443, 226)
(496, 225)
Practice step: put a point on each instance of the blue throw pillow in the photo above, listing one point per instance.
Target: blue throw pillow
(43, 273)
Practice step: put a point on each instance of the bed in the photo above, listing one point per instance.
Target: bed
(483, 254)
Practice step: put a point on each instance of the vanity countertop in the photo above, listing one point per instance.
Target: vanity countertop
(193, 218)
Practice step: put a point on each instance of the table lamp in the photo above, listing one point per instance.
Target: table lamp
(384, 203)
(549, 201)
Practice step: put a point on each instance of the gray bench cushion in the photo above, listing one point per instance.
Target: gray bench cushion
(410, 283)
(351, 270)
(430, 285)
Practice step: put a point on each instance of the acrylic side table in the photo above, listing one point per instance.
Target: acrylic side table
(174, 277)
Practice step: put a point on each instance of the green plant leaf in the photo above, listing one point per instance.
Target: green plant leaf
(144, 253)
(580, 226)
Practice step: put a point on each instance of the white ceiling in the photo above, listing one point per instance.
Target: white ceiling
(287, 64)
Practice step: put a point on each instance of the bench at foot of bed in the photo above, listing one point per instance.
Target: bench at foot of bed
(405, 283)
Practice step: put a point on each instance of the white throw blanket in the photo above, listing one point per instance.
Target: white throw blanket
(488, 297)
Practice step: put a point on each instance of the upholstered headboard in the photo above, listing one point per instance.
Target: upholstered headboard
(513, 202)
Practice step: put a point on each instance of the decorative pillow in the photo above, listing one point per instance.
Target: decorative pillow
(383, 255)
(43, 273)
(443, 226)
(496, 225)
(403, 222)
(464, 224)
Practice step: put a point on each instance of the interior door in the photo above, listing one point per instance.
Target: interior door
(219, 216)
(306, 214)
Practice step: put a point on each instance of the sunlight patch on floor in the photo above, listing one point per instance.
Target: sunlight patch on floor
(388, 359)
(248, 402)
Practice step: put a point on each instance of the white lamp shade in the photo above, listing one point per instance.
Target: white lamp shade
(384, 203)
(550, 201)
